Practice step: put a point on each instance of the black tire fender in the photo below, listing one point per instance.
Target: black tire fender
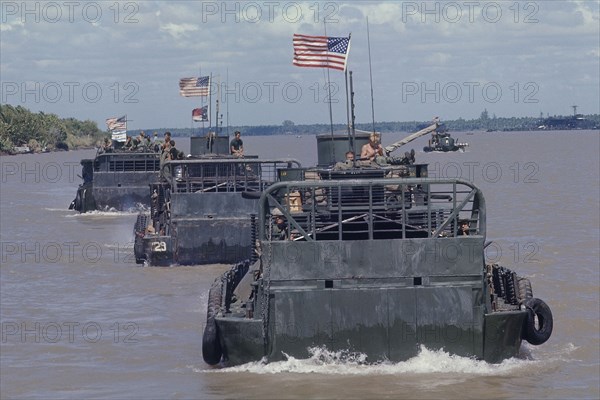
(539, 334)
(78, 201)
(211, 346)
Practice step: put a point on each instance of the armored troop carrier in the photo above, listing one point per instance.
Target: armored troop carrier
(116, 180)
(376, 259)
(202, 207)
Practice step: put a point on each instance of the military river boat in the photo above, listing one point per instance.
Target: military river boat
(202, 208)
(378, 260)
(116, 180)
(441, 141)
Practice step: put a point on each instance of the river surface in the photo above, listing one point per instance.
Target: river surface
(81, 320)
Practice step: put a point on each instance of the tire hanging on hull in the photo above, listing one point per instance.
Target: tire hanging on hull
(139, 231)
(541, 333)
(211, 346)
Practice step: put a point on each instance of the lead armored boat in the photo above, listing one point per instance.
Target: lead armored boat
(202, 208)
(371, 259)
(116, 180)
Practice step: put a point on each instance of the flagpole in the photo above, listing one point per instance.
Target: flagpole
(203, 126)
(350, 138)
(329, 101)
(353, 118)
(227, 102)
(209, 101)
(217, 107)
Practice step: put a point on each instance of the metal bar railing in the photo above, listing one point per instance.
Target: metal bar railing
(223, 175)
(370, 209)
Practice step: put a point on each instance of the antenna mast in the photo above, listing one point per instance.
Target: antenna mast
(371, 75)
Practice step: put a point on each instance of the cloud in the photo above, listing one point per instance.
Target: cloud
(179, 31)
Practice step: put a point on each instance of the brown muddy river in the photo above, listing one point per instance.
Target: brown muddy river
(80, 319)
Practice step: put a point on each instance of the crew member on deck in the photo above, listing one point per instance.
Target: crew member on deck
(236, 147)
(463, 228)
(372, 149)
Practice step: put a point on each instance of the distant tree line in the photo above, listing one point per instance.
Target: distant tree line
(41, 131)
(483, 123)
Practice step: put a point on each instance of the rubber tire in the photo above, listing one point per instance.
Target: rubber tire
(211, 346)
(537, 307)
(78, 203)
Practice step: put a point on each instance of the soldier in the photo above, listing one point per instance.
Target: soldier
(236, 146)
(372, 149)
(279, 226)
(464, 228)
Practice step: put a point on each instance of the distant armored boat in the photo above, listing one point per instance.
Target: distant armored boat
(116, 180)
(202, 208)
(371, 259)
(442, 141)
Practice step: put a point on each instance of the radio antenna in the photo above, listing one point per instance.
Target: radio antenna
(371, 75)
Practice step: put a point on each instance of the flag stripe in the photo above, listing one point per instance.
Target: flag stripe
(190, 87)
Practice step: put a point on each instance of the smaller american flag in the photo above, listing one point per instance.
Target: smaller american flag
(321, 51)
(200, 114)
(190, 87)
(117, 124)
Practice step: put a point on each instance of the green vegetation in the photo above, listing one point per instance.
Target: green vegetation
(40, 131)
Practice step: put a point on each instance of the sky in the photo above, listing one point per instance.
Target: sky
(452, 59)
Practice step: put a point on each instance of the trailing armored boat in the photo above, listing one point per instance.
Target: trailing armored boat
(117, 180)
(443, 142)
(372, 258)
(202, 207)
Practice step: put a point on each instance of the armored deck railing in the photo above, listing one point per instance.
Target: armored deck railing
(224, 174)
(370, 209)
(127, 162)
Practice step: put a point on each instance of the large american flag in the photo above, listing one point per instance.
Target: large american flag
(321, 51)
(189, 87)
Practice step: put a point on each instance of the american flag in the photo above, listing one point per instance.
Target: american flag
(189, 87)
(117, 124)
(321, 51)
(200, 114)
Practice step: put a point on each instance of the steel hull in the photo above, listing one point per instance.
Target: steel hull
(330, 294)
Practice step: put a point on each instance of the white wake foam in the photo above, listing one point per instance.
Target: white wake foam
(323, 361)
